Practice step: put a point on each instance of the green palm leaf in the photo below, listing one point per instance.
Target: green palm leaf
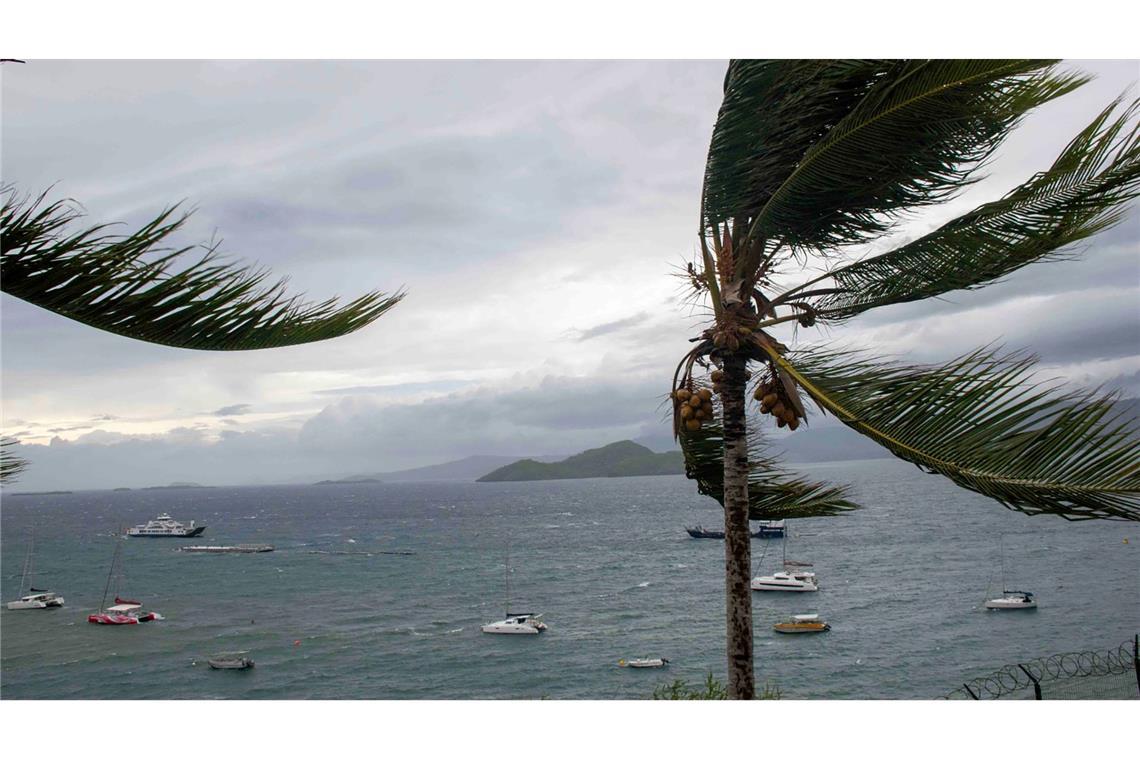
(913, 133)
(980, 421)
(132, 286)
(773, 493)
(1084, 192)
(11, 465)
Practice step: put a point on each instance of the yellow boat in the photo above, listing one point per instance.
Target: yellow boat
(802, 624)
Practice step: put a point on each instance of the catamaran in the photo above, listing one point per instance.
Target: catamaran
(792, 578)
(515, 622)
(36, 598)
(123, 611)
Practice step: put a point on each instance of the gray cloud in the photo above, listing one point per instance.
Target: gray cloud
(611, 327)
(232, 410)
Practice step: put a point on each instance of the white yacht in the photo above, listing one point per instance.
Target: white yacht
(786, 580)
(165, 526)
(1013, 600)
(524, 623)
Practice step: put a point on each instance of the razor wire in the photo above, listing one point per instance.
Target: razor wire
(1053, 669)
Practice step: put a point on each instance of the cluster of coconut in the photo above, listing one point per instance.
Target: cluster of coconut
(717, 375)
(693, 407)
(774, 401)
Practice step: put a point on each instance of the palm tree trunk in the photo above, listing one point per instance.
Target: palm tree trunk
(737, 539)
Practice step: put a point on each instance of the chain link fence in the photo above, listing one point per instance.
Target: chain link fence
(1111, 674)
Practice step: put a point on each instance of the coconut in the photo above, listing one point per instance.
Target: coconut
(692, 425)
(778, 408)
(717, 389)
(789, 415)
(770, 399)
(780, 422)
(686, 412)
(705, 394)
(694, 401)
(793, 424)
(700, 414)
(708, 410)
(764, 409)
(683, 394)
(716, 375)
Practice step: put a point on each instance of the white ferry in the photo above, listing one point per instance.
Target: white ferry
(165, 526)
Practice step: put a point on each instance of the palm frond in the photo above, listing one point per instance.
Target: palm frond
(1084, 192)
(773, 112)
(981, 421)
(897, 135)
(11, 464)
(773, 493)
(133, 286)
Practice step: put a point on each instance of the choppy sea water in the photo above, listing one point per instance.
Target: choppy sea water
(607, 561)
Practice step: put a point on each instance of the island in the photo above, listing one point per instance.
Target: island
(617, 460)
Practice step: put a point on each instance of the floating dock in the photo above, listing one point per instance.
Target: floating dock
(239, 549)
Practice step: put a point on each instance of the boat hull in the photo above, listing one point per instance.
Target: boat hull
(113, 619)
(195, 531)
(524, 630)
(1004, 604)
(801, 627)
(242, 664)
(780, 587)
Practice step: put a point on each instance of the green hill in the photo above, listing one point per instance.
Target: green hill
(617, 460)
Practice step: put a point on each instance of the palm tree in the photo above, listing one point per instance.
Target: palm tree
(808, 157)
(133, 285)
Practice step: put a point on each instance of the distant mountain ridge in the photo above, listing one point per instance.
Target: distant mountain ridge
(621, 459)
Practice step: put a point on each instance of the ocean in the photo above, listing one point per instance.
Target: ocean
(330, 615)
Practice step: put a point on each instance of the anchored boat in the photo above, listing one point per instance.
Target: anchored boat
(802, 624)
(658, 662)
(230, 661)
(165, 526)
(36, 598)
(123, 611)
(1012, 600)
(515, 622)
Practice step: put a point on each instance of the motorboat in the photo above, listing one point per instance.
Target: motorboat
(36, 598)
(802, 624)
(524, 623)
(658, 662)
(165, 526)
(41, 600)
(1013, 600)
(788, 579)
(239, 549)
(230, 661)
(123, 614)
(769, 529)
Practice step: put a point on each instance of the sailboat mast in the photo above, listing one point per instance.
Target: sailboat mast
(1002, 544)
(507, 571)
(110, 574)
(27, 564)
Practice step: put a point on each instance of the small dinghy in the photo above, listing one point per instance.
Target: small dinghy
(230, 661)
(802, 624)
(659, 662)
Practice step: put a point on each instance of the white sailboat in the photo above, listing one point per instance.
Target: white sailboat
(36, 598)
(792, 578)
(526, 623)
(1010, 600)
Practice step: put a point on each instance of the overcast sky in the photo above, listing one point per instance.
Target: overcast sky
(534, 213)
